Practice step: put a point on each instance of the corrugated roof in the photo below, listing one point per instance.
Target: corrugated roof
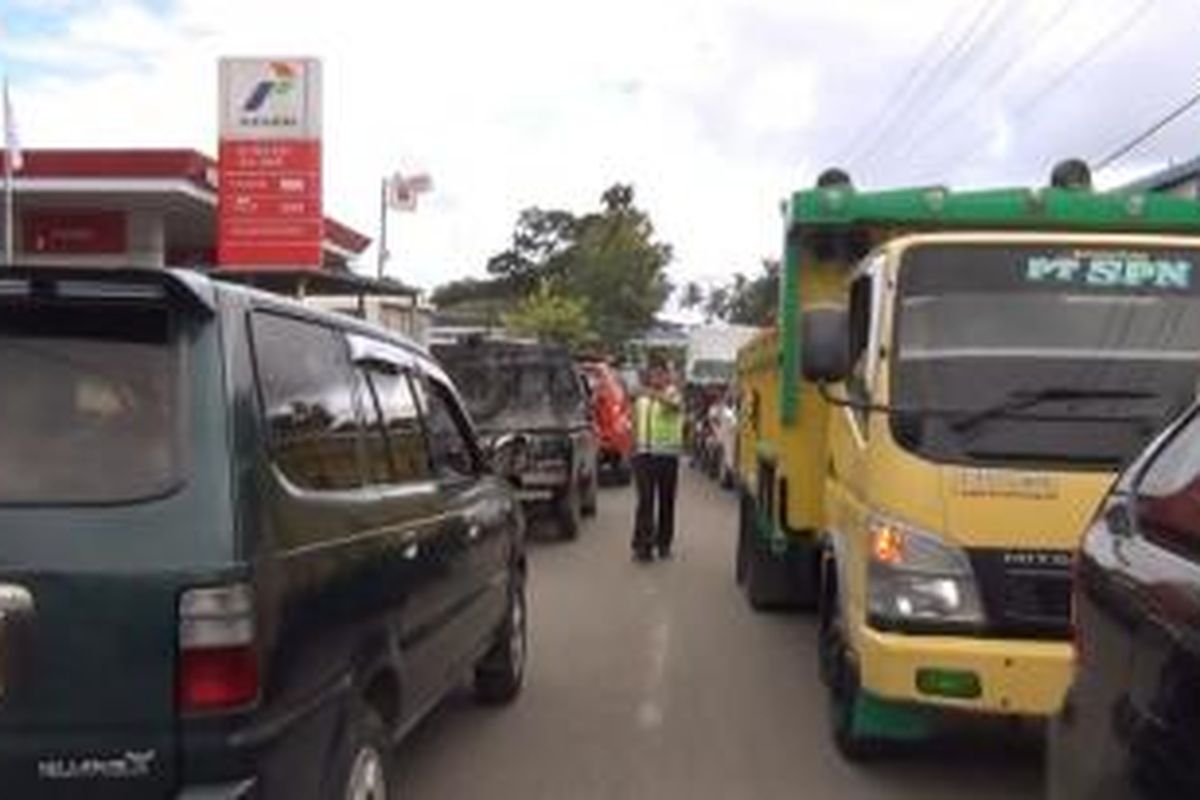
(1167, 178)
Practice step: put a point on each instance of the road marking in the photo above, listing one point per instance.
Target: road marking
(651, 713)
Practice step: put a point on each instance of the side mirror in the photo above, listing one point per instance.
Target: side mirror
(1119, 521)
(825, 344)
(508, 455)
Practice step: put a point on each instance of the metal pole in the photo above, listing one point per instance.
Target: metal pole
(383, 253)
(9, 143)
(8, 208)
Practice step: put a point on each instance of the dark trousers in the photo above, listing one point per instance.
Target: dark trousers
(656, 477)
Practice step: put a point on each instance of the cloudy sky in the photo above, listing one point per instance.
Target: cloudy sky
(714, 109)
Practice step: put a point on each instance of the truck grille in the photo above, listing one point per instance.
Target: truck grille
(1026, 593)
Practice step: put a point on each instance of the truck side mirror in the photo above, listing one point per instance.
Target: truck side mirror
(825, 344)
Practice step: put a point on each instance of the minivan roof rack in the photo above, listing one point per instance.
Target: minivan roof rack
(108, 284)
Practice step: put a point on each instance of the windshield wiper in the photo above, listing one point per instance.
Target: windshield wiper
(1022, 399)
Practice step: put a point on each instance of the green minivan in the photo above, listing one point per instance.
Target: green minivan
(244, 545)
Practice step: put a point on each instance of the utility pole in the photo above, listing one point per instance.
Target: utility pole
(383, 215)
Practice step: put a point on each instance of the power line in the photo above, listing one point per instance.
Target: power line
(962, 42)
(1129, 146)
(996, 77)
(1123, 26)
(902, 88)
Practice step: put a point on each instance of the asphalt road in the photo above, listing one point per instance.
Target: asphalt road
(658, 681)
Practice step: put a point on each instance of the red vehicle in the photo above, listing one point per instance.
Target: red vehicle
(612, 418)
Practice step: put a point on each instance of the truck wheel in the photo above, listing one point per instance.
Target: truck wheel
(841, 678)
(501, 672)
(363, 771)
(567, 512)
(589, 504)
(760, 588)
(743, 539)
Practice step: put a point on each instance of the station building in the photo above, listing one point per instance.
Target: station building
(158, 208)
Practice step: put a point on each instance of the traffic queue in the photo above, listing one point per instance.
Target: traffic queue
(238, 530)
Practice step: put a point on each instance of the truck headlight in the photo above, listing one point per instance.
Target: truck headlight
(916, 579)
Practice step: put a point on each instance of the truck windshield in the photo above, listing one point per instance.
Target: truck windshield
(88, 403)
(1106, 339)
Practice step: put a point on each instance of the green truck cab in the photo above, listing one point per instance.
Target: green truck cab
(954, 383)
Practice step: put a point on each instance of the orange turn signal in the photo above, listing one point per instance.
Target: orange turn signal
(887, 545)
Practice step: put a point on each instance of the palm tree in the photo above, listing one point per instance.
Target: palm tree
(693, 296)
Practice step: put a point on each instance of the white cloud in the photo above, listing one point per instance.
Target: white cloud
(713, 108)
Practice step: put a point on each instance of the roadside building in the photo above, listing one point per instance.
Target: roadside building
(158, 208)
(1181, 180)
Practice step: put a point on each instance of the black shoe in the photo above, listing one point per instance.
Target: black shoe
(664, 552)
(642, 555)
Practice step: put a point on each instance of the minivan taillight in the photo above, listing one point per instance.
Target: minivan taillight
(218, 663)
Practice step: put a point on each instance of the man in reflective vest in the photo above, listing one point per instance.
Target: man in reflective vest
(658, 442)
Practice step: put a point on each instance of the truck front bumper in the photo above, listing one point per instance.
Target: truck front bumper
(1013, 677)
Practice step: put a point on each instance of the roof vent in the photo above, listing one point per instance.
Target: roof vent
(834, 178)
(1073, 174)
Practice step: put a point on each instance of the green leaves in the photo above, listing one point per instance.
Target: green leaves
(549, 316)
(742, 301)
(604, 270)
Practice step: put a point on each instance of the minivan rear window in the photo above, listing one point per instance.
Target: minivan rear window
(89, 403)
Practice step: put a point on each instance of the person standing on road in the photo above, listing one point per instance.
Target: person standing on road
(658, 442)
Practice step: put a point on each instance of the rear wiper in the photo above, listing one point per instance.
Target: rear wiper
(1022, 399)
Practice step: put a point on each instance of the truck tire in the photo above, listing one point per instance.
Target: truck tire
(841, 678)
(588, 506)
(761, 584)
(568, 512)
(744, 533)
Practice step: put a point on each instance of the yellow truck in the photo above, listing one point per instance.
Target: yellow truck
(954, 380)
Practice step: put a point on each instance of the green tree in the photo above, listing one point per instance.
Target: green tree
(756, 301)
(474, 290)
(541, 244)
(609, 260)
(692, 296)
(746, 301)
(549, 316)
(617, 264)
(716, 306)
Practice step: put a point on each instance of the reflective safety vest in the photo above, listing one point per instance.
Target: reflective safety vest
(658, 428)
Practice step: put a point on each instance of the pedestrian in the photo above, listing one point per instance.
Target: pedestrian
(658, 441)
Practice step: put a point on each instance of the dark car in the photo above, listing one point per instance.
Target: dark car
(1130, 726)
(532, 390)
(244, 545)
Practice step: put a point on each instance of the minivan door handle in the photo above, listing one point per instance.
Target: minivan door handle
(411, 551)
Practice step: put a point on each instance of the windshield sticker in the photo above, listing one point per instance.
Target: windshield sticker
(1111, 270)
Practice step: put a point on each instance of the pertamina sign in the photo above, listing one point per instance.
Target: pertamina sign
(269, 186)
